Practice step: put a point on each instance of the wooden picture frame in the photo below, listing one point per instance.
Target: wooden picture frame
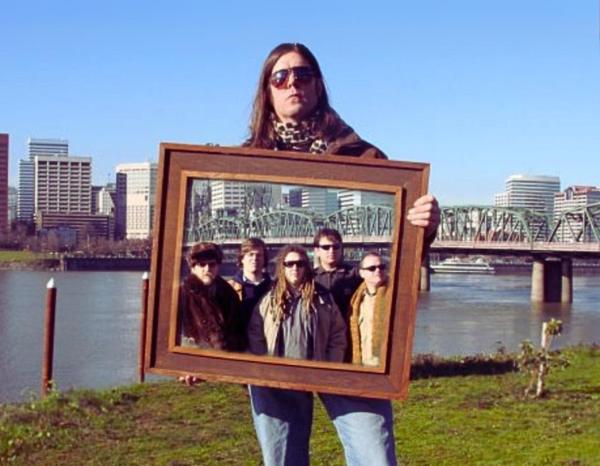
(181, 164)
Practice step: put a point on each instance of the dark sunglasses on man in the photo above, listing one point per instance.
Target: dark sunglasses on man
(327, 247)
(299, 264)
(372, 268)
(302, 75)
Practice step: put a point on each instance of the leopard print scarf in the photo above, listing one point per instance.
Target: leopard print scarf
(299, 136)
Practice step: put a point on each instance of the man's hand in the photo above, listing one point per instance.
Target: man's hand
(425, 213)
(189, 380)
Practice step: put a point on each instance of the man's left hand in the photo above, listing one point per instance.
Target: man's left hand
(425, 213)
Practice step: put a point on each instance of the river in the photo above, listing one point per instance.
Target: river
(97, 323)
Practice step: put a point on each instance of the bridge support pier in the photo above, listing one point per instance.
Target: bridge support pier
(425, 277)
(537, 280)
(566, 295)
(552, 280)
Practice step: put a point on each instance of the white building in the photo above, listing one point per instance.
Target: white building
(226, 197)
(531, 192)
(62, 184)
(320, 200)
(135, 193)
(572, 199)
(105, 202)
(501, 200)
(351, 198)
(231, 197)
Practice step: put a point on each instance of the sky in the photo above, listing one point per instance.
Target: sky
(480, 90)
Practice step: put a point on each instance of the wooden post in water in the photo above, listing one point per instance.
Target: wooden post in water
(143, 320)
(48, 355)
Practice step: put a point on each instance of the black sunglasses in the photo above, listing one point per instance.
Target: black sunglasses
(207, 263)
(289, 264)
(372, 268)
(303, 75)
(327, 247)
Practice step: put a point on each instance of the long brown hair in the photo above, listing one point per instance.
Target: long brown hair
(262, 134)
(282, 290)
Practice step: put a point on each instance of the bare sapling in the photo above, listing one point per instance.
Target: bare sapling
(537, 362)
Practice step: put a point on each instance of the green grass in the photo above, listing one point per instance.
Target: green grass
(479, 420)
(21, 256)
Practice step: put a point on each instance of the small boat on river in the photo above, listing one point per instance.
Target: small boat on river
(455, 265)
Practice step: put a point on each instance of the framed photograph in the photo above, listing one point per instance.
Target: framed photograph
(224, 195)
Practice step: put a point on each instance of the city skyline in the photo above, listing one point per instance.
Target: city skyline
(480, 91)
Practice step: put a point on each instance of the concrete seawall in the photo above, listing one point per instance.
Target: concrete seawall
(105, 263)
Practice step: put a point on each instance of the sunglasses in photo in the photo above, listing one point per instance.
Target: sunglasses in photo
(327, 247)
(302, 75)
(290, 264)
(210, 264)
(372, 268)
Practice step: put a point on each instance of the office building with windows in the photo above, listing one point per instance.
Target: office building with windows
(352, 198)
(530, 192)
(321, 201)
(135, 203)
(62, 184)
(26, 197)
(52, 147)
(3, 182)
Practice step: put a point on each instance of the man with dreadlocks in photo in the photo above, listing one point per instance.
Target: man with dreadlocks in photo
(298, 318)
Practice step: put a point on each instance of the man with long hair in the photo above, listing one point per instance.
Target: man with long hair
(291, 111)
(298, 318)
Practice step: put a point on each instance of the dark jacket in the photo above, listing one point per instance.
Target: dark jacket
(249, 293)
(347, 142)
(210, 315)
(341, 283)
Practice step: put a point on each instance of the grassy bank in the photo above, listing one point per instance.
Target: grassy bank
(446, 420)
(21, 256)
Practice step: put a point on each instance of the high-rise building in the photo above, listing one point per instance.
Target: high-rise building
(62, 184)
(531, 192)
(47, 147)
(226, 197)
(320, 200)
(351, 198)
(12, 204)
(35, 147)
(135, 193)
(574, 198)
(25, 197)
(3, 182)
(232, 197)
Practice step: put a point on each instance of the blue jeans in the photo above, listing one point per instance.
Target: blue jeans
(283, 421)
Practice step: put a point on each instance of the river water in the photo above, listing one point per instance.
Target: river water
(98, 319)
